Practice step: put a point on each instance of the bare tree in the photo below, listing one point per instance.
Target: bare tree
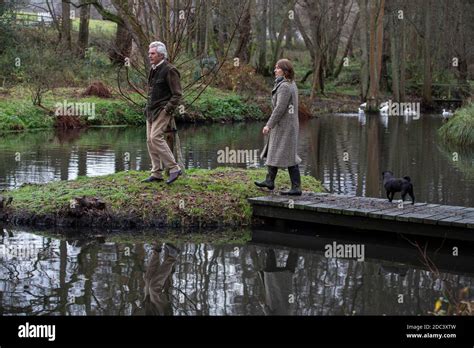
(427, 68)
(261, 25)
(243, 46)
(313, 19)
(83, 38)
(364, 47)
(66, 23)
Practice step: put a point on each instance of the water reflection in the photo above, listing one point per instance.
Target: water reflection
(278, 284)
(96, 277)
(347, 152)
(158, 280)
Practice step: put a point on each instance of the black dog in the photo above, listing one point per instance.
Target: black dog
(393, 185)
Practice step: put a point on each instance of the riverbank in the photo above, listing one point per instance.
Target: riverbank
(202, 198)
(215, 105)
(459, 130)
(17, 113)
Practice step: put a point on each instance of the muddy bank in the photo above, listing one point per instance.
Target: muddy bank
(202, 198)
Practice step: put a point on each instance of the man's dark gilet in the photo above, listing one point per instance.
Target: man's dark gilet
(158, 90)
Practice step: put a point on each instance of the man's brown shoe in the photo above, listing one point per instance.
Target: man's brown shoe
(152, 179)
(173, 176)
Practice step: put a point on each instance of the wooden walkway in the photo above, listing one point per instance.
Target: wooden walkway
(365, 213)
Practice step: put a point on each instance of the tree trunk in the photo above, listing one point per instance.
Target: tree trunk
(364, 71)
(375, 51)
(279, 40)
(262, 40)
(289, 36)
(394, 51)
(383, 80)
(334, 37)
(427, 77)
(402, 48)
(348, 46)
(83, 39)
(380, 41)
(373, 87)
(221, 35)
(66, 24)
(271, 24)
(461, 52)
(123, 45)
(243, 47)
(318, 77)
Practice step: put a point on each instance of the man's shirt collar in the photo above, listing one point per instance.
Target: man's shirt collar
(153, 66)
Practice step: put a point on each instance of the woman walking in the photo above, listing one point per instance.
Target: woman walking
(282, 129)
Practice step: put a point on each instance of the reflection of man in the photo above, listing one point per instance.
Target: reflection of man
(158, 279)
(278, 284)
(164, 94)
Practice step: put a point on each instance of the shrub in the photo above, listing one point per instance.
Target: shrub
(459, 130)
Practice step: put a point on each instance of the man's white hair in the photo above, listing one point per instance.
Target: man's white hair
(160, 47)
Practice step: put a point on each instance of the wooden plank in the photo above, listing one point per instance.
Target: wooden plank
(433, 220)
(362, 224)
(303, 205)
(367, 212)
(419, 215)
(357, 211)
(469, 215)
(414, 209)
(453, 207)
(449, 221)
(467, 223)
(326, 208)
(390, 213)
(268, 200)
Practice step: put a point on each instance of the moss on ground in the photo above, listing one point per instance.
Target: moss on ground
(201, 198)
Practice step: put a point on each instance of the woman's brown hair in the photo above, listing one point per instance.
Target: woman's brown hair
(287, 67)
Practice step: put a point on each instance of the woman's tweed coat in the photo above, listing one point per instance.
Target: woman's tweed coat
(282, 143)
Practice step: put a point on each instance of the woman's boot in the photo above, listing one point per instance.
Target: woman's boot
(269, 182)
(295, 182)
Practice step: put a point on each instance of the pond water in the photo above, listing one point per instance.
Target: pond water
(347, 153)
(42, 273)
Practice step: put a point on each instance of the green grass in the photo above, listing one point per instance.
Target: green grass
(214, 105)
(217, 105)
(459, 130)
(216, 197)
(96, 26)
(16, 115)
(22, 115)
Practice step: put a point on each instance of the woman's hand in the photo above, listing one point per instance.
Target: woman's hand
(265, 130)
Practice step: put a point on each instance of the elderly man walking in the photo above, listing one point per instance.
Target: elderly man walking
(164, 95)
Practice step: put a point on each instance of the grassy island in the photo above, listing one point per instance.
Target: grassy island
(201, 198)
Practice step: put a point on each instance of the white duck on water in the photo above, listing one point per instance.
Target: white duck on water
(384, 108)
(447, 114)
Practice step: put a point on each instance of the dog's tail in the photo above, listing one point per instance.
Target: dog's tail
(407, 178)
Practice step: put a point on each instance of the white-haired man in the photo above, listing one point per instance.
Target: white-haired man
(164, 95)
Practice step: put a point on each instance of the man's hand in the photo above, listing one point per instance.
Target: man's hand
(265, 130)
